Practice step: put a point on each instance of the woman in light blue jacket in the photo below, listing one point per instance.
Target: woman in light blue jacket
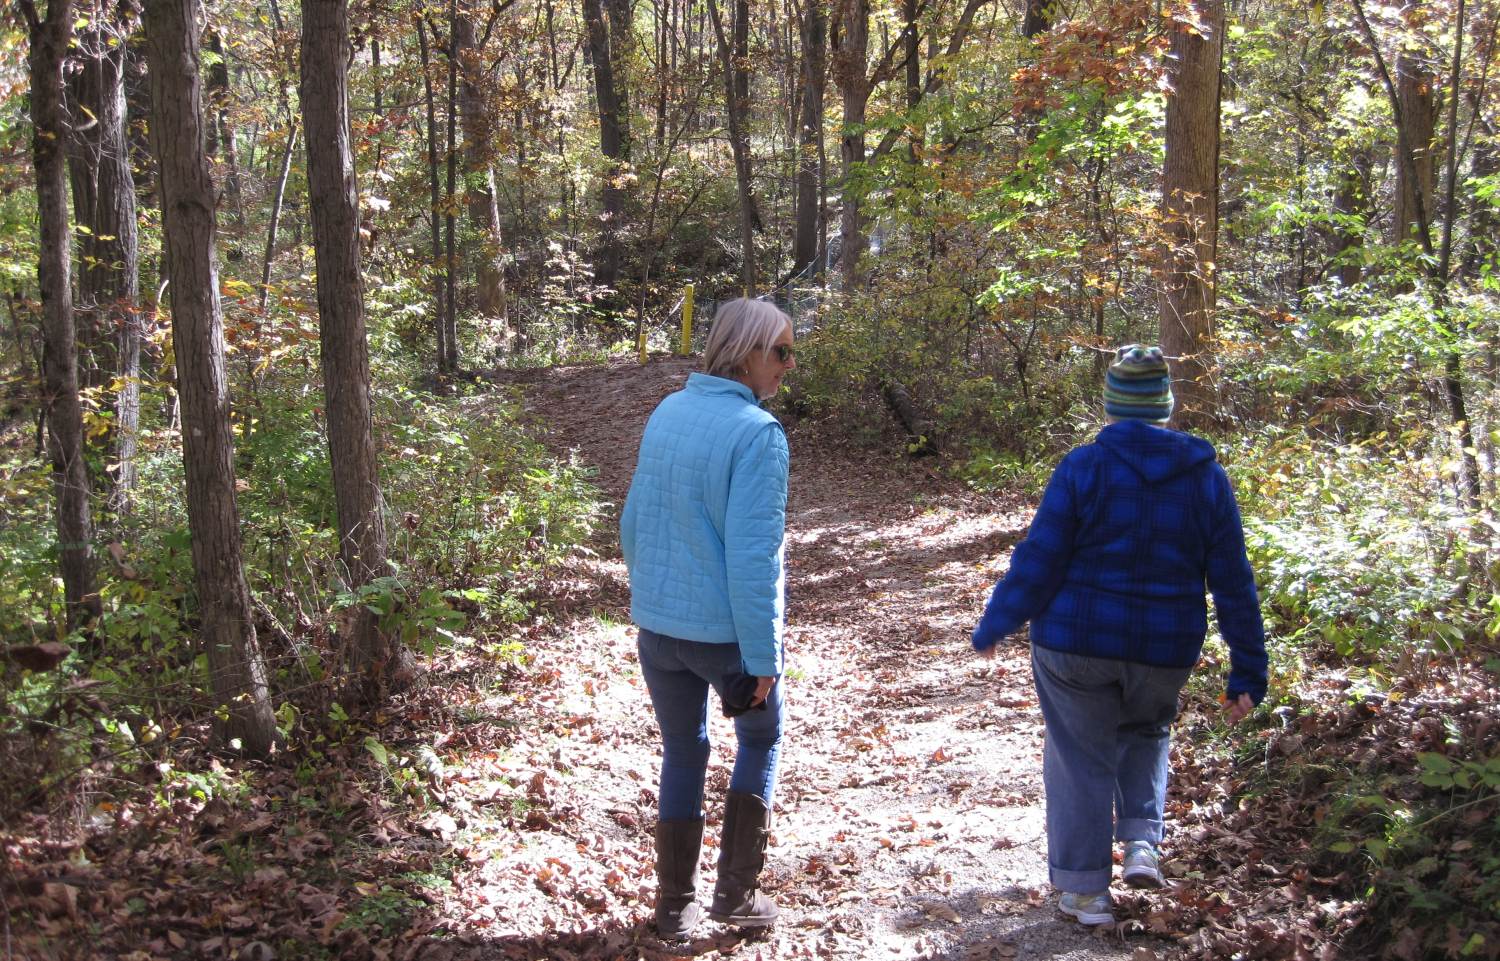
(702, 533)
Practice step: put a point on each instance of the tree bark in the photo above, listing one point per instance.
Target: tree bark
(1351, 199)
(1190, 213)
(851, 53)
(736, 85)
(479, 174)
(614, 138)
(221, 131)
(334, 200)
(278, 199)
(445, 350)
(810, 135)
(237, 671)
(109, 282)
(64, 412)
(1416, 86)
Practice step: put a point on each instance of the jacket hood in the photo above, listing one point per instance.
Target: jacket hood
(1155, 453)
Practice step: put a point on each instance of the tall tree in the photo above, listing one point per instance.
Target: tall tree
(814, 31)
(221, 130)
(851, 53)
(236, 669)
(447, 337)
(1190, 209)
(334, 200)
(733, 62)
(611, 91)
(1416, 87)
(104, 205)
(50, 37)
(477, 117)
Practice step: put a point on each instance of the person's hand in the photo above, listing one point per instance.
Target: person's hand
(990, 652)
(763, 687)
(1236, 710)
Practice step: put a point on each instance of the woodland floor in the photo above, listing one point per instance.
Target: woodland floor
(506, 807)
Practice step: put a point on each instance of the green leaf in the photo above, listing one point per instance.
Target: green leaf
(377, 751)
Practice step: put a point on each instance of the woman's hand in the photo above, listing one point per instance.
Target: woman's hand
(1237, 709)
(763, 687)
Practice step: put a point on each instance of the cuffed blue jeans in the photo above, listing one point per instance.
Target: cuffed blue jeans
(679, 674)
(1105, 762)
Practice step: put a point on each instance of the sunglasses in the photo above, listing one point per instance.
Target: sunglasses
(783, 352)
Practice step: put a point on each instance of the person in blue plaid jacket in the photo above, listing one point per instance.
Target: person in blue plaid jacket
(1112, 577)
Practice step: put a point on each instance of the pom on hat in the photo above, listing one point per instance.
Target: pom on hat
(1138, 385)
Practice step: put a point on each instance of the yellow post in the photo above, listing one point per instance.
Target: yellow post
(687, 321)
(640, 343)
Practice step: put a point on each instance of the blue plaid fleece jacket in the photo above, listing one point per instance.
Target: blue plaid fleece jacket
(1130, 530)
(703, 526)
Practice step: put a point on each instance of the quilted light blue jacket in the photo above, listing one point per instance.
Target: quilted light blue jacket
(705, 519)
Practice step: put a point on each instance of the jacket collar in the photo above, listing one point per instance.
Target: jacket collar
(700, 383)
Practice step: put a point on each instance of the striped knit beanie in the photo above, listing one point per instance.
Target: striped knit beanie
(1138, 385)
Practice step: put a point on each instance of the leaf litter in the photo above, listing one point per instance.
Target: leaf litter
(909, 813)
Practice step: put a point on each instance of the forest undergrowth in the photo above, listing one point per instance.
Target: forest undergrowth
(503, 808)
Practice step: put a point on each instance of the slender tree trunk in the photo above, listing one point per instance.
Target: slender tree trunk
(1438, 260)
(1484, 226)
(221, 131)
(277, 201)
(483, 204)
(810, 135)
(439, 281)
(614, 140)
(84, 81)
(851, 69)
(236, 668)
(109, 283)
(334, 201)
(1351, 199)
(1190, 214)
(64, 412)
(734, 107)
(450, 200)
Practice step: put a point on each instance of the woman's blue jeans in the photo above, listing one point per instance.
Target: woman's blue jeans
(679, 674)
(1104, 767)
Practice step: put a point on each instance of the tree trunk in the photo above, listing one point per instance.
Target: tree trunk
(1416, 85)
(614, 140)
(334, 202)
(479, 174)
(1351, 200)
(1190, 214)
(735, 106)
(1484, 226)
(64, 412)
(1038, 18)
(445, 350)
(278, 199)
(221, 131)
(109, 283)
(236, 669)
(450, 199)
(810, 135)
(851, 54)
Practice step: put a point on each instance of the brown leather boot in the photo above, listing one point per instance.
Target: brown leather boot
(742, 853)
(677, 844)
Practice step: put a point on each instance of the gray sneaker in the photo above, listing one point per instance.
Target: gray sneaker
(1087, 908)
(1142, 865)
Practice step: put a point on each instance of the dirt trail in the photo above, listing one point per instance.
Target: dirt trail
(909, 811)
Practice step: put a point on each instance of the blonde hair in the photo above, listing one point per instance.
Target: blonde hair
(740, 327)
